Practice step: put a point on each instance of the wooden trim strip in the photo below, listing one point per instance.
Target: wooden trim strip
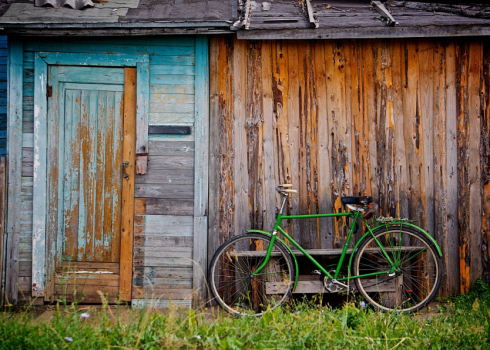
(39, 190)
(143, 107)
(127, 225)
(84, 59)
(201, 167)
(14, 151)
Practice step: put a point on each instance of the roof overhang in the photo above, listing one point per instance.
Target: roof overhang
(365, 33)
(114, 29)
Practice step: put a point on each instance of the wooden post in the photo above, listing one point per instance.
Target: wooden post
(129, 142)
(14, 151)
(201, 169)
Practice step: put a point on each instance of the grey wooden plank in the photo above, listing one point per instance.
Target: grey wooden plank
(170, 148)
(242, 221)
(169, 177)
(158, 272)
(268, 138)
(360, 32)
(201, 129)
(167, 191)
(199, 259)
(171, 162)
(201, 169)
(14, 150)
(40, 176)
(164, 241)
(169, 206)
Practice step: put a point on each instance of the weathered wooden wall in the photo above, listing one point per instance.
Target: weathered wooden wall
(164, 197)
(405, 121)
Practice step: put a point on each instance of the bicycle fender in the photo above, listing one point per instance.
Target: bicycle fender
(280, 240)
(394, 223)
(403, 223)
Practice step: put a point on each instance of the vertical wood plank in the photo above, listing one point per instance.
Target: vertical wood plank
(39, 190)
(227, 135)
(129, 143)
(242, 221)
(340, 130)
(324, 166)
(368, 153)
(293, 123)
(70, 175)
(254, 131)
(85, 103)
(201, 167)
(463, 165)
(117, 179)
(400, 165)
(280, 90)
(411, 126)
(268, 137)
(485, 160)
(143, 107)
(54, 221)
(474, 110)
(385, 131)
(109, 174)
(452, 235)
(214, 143)
(104, 108)
(427, 132)
(440, 157)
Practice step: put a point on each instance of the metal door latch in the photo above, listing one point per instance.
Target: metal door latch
(125, 165)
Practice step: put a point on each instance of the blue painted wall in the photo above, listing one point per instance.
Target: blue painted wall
(165, 196)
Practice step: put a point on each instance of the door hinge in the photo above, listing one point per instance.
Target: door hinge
(49, 91)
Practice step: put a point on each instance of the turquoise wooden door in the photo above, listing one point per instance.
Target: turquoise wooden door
(85, 179)
(92, 177)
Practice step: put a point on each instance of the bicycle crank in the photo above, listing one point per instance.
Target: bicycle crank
(331, 284)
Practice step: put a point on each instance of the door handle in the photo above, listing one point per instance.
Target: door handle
(125, 166)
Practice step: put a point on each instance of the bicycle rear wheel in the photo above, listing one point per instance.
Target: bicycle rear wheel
(417, 276)
(230, 275)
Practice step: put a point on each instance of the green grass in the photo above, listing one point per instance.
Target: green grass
(462, 323)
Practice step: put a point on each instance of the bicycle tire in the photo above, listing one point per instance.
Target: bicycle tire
(230, 280)
(416, 280)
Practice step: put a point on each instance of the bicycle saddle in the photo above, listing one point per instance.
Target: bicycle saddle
(365, 200)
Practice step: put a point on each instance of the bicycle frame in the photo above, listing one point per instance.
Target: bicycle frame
(355, 216)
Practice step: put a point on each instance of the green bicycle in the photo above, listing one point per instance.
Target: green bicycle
(395, 265)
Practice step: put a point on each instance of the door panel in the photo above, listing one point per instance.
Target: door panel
(86, 196)
(92, 173)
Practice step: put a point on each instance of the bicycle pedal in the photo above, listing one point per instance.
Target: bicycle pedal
(316, 272)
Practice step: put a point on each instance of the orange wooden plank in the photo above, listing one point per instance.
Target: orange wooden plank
(129, 127)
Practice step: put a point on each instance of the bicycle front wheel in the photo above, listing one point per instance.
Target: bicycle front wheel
(233, 283)
(410, 267)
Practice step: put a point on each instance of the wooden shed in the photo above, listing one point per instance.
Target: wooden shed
(108, 151)
(142, 135)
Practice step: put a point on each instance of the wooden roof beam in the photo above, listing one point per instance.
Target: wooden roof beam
(381, 9)
(311, 17)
